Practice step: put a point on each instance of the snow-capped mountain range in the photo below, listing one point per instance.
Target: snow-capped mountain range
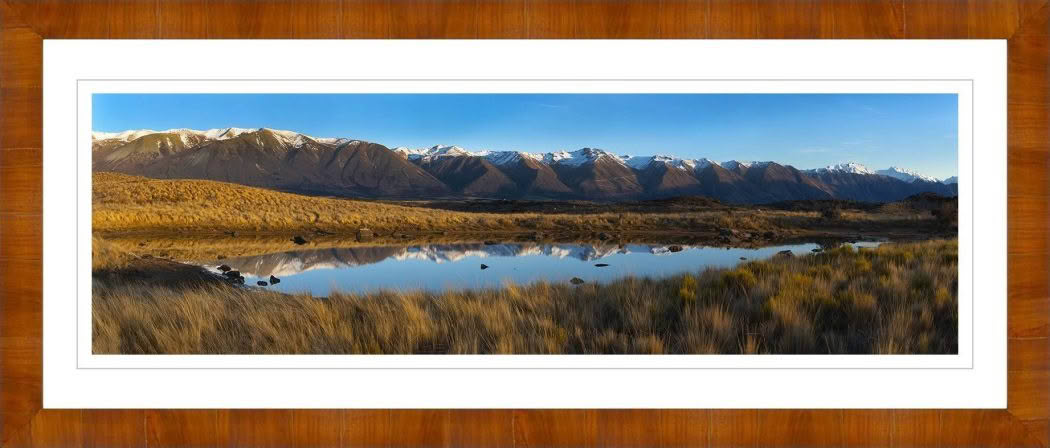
(591, 155)
(294, 161)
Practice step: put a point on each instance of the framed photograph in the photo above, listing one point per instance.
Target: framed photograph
(620, 224)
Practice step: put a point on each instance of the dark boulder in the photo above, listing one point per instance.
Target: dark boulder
(232, 274)
(299, 240)
(274, 280)
(224, 268)
(600, 265)
(785, 253)
(743, 258)
(675, 248)
(260, 283)
(728, 232)
(604, 236)
(484, 266)
(576, 281)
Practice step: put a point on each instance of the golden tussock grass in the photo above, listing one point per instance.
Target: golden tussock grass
(896, 299)
(123, 203)
(107, 256)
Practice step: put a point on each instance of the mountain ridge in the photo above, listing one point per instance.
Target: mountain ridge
(294, 161)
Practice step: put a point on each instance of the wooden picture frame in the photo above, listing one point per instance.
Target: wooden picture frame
(1025, 422)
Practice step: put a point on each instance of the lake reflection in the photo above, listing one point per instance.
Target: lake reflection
(456, 266)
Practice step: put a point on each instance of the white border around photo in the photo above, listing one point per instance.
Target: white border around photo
(974, 70)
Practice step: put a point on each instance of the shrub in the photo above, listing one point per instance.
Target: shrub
(947, 214)
(831, 213)
(687, 290)
(739, 279)
(862, 265)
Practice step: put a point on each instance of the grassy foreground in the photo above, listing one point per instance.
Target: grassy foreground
(896, 299)
(130, 204)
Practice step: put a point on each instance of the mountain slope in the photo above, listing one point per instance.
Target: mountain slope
(293, 161)
(729, 186)
(785, 183)
(471, 176)
(593, 173)
(534, 178)
(268, 158)
(663, 179)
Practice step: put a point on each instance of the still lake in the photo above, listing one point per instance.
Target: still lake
(437, 267)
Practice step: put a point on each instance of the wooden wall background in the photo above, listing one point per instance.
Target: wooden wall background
(1026, 422)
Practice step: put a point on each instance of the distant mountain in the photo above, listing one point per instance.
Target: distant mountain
(292, 161)
(904, 174)
(533, 177)
(950, 180)
(663, 176)
(785, 182)
(594, 173)
(269, 158)
(471, 176)
(856, 182)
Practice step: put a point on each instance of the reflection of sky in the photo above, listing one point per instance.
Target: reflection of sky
(413, 274)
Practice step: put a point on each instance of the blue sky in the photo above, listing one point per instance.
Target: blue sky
(917, 131)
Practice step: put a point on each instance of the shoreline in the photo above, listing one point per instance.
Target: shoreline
(217, 245)
(795, 304)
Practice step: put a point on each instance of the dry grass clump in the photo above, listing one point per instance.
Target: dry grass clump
(107, 256)
(899, 298)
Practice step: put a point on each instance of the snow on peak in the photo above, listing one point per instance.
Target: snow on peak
(508, 157)
(703, 162)
(640, 162)
(125, 136)
(225, 133)
(450, 150)
(905, 174)
(290, 138)
(734, 164)
(643, 162)
(950, 180)
(437, 151)
(294, 139)
(848, 167)
(335, 141)
(581, 156)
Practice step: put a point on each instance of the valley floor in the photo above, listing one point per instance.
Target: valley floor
(137, 208)
(899, 298)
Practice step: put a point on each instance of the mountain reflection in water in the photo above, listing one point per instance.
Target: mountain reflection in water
(439, 266)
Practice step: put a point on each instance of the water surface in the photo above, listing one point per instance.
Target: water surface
(437, 267)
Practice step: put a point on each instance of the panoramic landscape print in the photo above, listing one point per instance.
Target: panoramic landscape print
(524, 224)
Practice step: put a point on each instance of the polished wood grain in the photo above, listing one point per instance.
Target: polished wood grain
(25, 23)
